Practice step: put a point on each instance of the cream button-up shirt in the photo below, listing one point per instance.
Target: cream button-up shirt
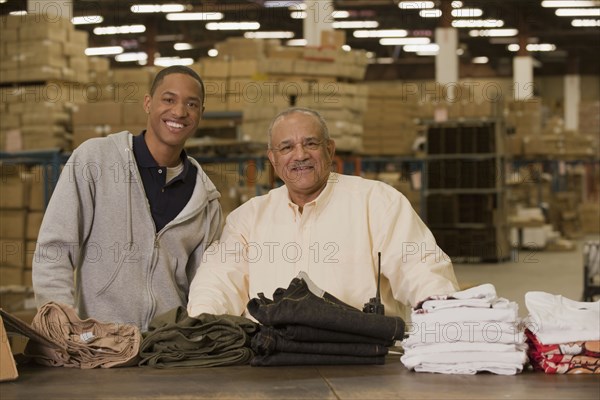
(267, 241)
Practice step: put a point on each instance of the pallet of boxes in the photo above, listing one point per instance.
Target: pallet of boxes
(22, 204)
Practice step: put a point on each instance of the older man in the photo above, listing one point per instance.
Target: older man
(331, 226)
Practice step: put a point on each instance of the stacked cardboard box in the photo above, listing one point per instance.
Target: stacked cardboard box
(36, 116)
(524, 117)
(391, 122)
(589, 117)
(38, 48)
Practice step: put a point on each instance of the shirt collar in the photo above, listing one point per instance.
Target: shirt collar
(323, 197)
(144, 158)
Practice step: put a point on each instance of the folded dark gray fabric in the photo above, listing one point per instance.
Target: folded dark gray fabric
(309, 334)
(175, 340)
(300, 306)
(268, 341)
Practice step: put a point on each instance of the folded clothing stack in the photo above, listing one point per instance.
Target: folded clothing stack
(175, 340)
(464, 333)
(563, 334)
(303, 325)
(81, 344)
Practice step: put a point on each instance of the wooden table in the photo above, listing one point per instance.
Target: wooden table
(390, 381)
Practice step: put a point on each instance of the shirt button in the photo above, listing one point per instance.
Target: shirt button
(160, 171)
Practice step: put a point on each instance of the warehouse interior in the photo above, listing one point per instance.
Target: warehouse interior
(485, 115)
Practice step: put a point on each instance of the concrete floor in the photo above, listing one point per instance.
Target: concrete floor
(548, 271)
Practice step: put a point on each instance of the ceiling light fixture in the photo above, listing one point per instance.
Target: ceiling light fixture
(404, 41)
(340, 14)
(156, 8)
(427, 48)
(182, 46)
(457, 4)
(578, 12)
(232, 26)
(570, 3)
(433, 13)
(380, 33)
(480, 60)
(416, 5)
(494, 33)
(119, 30)
(467, 13)
(213, 53)
(296, 42)
(269, 35)
(103, 51)
(87, 20)
(206, 16)
(281, 4)
(579, 23)
(533, 47)
(130, 57)
(298, 14)
(169, 61)
(478, 23)
(355, 24)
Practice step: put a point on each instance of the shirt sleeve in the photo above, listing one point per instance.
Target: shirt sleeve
(220, 285)
(65, 227)
(411, 259)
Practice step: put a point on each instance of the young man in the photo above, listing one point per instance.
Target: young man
(131, 216)
(329, 225)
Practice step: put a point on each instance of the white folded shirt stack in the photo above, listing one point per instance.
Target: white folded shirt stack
(464, 333)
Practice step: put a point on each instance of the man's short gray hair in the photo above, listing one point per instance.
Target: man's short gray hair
(300, 110)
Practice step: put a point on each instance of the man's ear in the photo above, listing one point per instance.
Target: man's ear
(331, 147)
(271, 157)
(147, 99)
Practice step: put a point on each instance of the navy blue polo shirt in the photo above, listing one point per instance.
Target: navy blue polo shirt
(166, 200)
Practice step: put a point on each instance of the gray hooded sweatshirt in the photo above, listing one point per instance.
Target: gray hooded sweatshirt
(98, 249)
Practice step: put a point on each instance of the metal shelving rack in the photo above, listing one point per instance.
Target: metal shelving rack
(465, 203)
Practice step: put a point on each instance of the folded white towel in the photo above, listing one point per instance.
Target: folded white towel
(453, 358)
(471, 332)
(471, 368)
(463, 347)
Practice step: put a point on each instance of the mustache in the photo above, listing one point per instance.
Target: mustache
(300, 165)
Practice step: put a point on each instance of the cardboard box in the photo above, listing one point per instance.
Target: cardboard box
(10, 276)
(14, 192)
(100, 113)
(37, 187)
(12, 253)
(8, 367)
(133, 114)
(12, 224)
(34, 222)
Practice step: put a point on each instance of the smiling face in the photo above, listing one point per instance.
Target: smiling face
(175, 110)
(303, 165)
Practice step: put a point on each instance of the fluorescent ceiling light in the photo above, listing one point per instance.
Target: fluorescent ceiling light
(3, 1)
(232, 26)
(169, 61)
(103, 51)
(296, 42)
(457, 4)
(21, 12)
(182, 46)
(213, 52)
(380, 33)
(119, 30)
(87, 20)
(533, 47)
(494, 33)
(414, 48)
(578, 12)
(207, 16)
(478, 23)
(269, 35)
(157, 8)
(355, 24)
(298, 14)
(433, 13)
(346, 47)
(415, 5)
(384, 60)
(467, 12)
(570, 3)
(427, 53)
(340, 14)
(281, 4)
(480, 60)
(129, 57)
(404, 41)
(585, 23)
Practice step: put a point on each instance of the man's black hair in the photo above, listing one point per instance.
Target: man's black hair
(176, 69)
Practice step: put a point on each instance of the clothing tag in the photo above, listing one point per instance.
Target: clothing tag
(87, 337)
